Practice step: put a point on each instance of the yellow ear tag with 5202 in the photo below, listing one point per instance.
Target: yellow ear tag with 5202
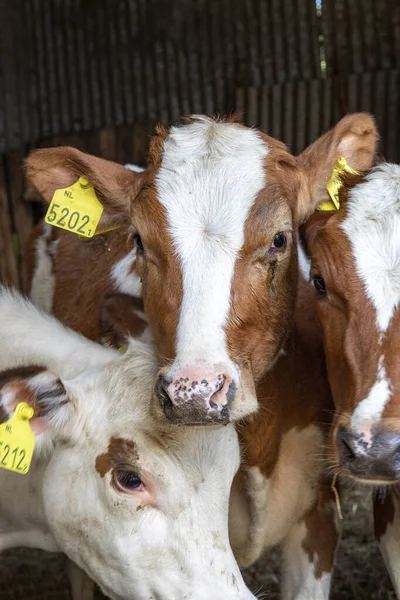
(335, 183)
(75, 208)
(17, 440)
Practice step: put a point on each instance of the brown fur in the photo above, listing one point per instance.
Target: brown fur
(321, 539)
(384, 512)
(120, 452)
(119, 319)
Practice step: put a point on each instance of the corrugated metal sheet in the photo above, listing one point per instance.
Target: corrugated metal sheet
(97, 74)
(76, 65)
(297, 112)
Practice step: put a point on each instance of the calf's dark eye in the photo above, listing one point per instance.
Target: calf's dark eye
(279, 240)
(319, 284)
(279, 243)
(127, 480)
(137, 240)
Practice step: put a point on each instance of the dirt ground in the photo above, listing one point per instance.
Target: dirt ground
(360, 573)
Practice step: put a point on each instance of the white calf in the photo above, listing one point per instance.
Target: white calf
(140, 505)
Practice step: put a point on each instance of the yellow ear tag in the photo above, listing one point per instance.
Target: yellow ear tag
(75, 208)
(17, 440)
(335, 183)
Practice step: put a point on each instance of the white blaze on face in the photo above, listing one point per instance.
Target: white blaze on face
(211, 174)
(372, 225)
(369, 410)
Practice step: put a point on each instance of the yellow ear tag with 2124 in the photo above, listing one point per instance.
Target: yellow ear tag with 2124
(17, 440)
(75, 208)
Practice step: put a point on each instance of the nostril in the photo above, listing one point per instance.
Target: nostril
(344, 442)
(162, 389)
(347, 451)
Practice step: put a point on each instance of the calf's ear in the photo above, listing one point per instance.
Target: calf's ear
(355, 138)
(116, 187)
(46, 394)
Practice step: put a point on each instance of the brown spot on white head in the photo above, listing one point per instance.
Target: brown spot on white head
(120, 451)
(216, 215)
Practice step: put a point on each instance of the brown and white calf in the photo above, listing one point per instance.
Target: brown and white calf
(215, 220)
(355, 267)
(140, 505)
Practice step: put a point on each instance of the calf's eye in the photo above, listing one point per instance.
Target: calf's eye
(127, 481)
(319, 284)
(137, 240)
(279, 242)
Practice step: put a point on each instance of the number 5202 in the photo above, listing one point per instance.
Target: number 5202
(73, 220)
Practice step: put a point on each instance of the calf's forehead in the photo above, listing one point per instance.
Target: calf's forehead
(209, 177)
(372, 226)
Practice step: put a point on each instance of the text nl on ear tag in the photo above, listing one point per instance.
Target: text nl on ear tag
(75, 208)
(17, 440)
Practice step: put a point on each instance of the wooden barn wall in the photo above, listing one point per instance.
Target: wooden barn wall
(99, 73)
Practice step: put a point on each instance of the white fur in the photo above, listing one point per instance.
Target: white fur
(125, 279)
(169, 541)
(275, 507)
(43, 281)
(299, 580)
(134, 168)
(372, 225)
(35, 340)
(304, 261)
(369, 411)
(209, 178)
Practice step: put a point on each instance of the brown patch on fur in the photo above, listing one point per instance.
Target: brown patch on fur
(156, 146)
(384, 512)
(120, 452)
(322, 535)
(14, 380)
(119, 319)
(290, 395)
(16, 377)
(82, 278)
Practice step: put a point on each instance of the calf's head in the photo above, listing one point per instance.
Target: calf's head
(356, 270)
(139, 505)
(215, 218)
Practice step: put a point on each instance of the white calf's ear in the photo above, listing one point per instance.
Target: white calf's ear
(46, 394)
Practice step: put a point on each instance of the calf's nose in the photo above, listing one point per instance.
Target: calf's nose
(375, 459)
(197, 395)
